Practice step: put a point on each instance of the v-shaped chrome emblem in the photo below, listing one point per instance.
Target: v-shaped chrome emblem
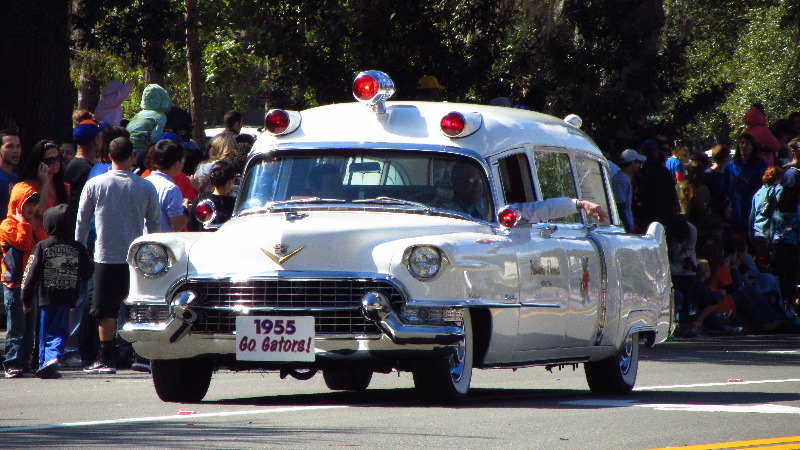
(279, 260)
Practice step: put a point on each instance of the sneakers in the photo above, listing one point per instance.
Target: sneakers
(141, 365)
(14, 372)
(71, 360)
(48, 371)
(101, 366)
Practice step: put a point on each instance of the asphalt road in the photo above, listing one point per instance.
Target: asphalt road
(703, 392)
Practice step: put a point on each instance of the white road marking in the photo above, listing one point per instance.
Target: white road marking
(724, 383)
(184, 417)
(760, 409)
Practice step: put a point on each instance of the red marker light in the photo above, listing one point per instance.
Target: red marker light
(205, 211)
(365, 87)
(276, 121)
(453, 124)
(507, 217)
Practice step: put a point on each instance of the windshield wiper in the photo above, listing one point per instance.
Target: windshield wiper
(307, 200)
(304, 201)
(392, 201)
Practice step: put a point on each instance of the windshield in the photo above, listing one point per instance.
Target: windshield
(436, 180)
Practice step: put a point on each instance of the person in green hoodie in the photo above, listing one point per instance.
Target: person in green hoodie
(148, 124)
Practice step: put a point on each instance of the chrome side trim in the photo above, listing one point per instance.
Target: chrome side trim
(460, 304)
(541, 305)
(601, 307)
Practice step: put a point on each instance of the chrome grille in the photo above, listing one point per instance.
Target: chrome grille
(335, 303)
(144, 313)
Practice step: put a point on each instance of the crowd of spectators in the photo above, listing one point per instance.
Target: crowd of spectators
(732, 224)
(98, 189)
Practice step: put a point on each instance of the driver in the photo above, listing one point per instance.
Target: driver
(325, 181)
(468, 194)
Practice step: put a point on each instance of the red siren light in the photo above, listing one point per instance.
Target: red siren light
(507, 217)
(205, 211)
(458, 125)
(453, 124)
(365, 87)
(373, 88)
(278, 122)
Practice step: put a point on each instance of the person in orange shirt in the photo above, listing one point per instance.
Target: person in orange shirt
(19, 233)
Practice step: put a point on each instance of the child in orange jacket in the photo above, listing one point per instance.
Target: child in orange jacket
(19, 234)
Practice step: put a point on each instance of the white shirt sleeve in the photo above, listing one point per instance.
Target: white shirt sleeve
(544, 210)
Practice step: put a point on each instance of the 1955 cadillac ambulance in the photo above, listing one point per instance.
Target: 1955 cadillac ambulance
(378, 236)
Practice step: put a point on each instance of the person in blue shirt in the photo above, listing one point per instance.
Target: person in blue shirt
(675, 162)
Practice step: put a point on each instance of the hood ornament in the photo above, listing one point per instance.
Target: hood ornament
(280, 256)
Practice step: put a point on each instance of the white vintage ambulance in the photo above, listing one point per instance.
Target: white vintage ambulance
(383, 236)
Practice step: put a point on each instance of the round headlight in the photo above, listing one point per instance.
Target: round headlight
(152, 260)
(424, 262)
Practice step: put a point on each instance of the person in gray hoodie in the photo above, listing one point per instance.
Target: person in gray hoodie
(55, 268)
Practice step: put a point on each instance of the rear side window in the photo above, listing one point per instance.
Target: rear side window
(554, 172)
(515, 176)
(591, 182)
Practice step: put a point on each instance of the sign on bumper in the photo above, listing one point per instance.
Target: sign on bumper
(274, 338)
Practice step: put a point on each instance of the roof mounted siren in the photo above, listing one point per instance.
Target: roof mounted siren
(373, 88)
(574, 120)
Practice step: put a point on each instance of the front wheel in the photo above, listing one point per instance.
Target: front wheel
(447, 380)
(181, 380)
(347, 379)
(616, 374)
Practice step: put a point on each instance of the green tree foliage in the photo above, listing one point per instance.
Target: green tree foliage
(738, 53)
(629, 68)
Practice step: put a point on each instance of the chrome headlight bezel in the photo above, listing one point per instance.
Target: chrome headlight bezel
(424, 262)
(152, 259)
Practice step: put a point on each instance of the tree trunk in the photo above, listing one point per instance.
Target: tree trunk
(154, 56)
(193, 52)
(36, 95)
(89, 87)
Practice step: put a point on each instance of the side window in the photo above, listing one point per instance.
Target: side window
(591, 183)
(554, 172)
(515, 177)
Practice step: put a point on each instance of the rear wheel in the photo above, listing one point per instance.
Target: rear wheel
(181, 380)
(347, 379)
(447, 380)
(616, 374)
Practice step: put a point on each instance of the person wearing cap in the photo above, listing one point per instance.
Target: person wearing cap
(621, 183)
(19, 233)
(77, 171)
(429, 89)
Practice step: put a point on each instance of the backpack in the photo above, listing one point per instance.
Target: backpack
(770, 204)
(12, 258)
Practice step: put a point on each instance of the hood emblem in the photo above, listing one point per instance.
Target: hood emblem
(280, 256)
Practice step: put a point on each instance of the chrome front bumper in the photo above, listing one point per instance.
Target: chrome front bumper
(174, 338)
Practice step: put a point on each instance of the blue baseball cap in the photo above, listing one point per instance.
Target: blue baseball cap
(85, 132)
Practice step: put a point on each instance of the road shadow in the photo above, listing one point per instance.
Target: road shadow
(749, 350)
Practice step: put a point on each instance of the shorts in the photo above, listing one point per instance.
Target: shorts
(111, 285)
